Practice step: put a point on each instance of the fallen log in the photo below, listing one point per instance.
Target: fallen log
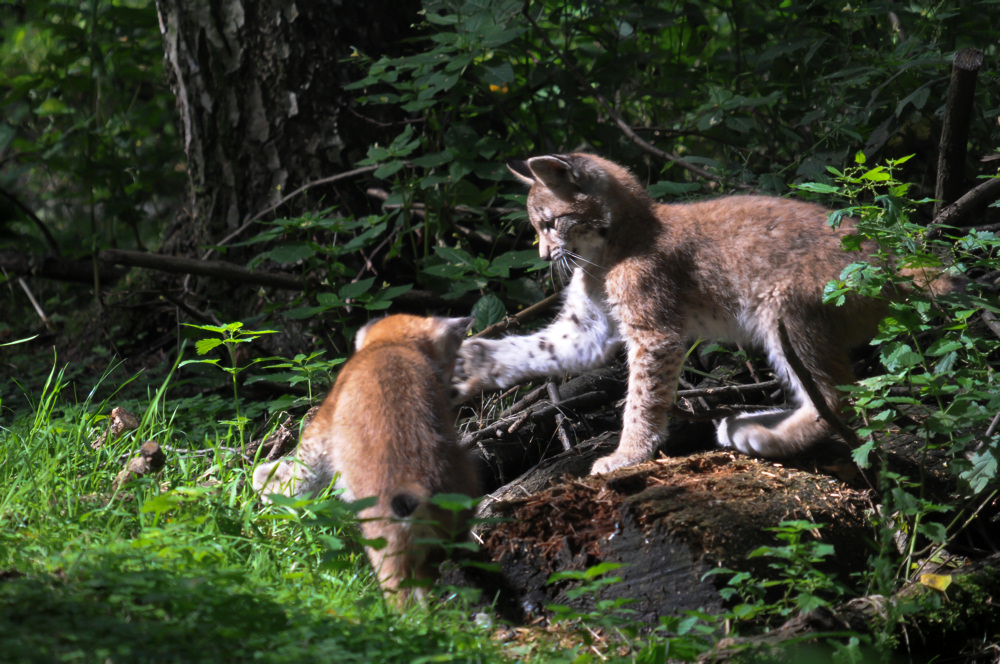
(668, 522)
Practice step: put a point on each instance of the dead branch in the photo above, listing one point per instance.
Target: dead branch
(992, 323)
(729, 390)
(20, 264)
(206, 268)
(17, 263)
(525, 401)
(553, 391)
(536, 413)
(958, 213)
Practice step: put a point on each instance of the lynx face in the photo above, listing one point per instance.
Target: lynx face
(572, 227)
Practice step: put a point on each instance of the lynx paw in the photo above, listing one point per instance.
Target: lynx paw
(475, 369)
(755, 434)
(615, 461)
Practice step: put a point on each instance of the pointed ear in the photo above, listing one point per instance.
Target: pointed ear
(459, 327)
(555, 171)
(520, 169)
(449, 337)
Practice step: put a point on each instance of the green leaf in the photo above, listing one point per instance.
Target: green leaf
(487, 311)
(898, 357)
(204, 346)
(981, 468)
(454, 255)
(876, 174)
(818, 188)
(354, 290)
(668, 188)
(291, 252)
(936, 532)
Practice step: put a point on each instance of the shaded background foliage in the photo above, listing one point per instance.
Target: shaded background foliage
(700, 98)
(170, 128)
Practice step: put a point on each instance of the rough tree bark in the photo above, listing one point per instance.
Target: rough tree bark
(955, 131)
(259, 86)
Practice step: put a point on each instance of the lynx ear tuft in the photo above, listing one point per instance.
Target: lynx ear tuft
(520, 169)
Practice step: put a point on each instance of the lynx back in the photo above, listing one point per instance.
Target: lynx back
(387, 430)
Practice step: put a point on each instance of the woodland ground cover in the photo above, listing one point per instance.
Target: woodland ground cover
(699, 98)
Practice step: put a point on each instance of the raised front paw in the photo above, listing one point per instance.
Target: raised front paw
(475, 369)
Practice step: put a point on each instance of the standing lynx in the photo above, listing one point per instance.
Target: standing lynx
(387, 428)
(653, 275)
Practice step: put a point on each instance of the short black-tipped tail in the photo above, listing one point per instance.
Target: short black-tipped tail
(407, 499)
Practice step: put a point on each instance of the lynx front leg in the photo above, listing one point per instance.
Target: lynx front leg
(652, 380)
(582, 337)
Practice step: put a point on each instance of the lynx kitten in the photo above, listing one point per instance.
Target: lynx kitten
(387, 428)
(653, 275)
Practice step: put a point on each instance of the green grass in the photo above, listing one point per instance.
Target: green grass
(187, 566)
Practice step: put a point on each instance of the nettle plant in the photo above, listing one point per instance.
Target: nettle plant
(938, 359)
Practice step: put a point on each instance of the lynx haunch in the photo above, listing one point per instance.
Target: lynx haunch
(654, 275)
(387, 429)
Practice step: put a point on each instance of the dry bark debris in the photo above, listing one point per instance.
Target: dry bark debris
(119, 422)
(669, 522)
(150, 459)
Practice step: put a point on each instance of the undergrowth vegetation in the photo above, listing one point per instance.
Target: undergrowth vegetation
(184, 567)
(187, 565)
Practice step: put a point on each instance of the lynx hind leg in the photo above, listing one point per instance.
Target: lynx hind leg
(773, 434)
(398, 565)
(780, 433)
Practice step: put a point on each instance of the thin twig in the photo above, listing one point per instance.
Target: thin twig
(527, 400)
(536, 413)
(729, 390)
(34, 302)
(553, 391)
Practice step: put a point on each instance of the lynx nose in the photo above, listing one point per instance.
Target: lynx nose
(544, 249)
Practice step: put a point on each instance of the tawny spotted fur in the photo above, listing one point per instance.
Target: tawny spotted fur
(653, 276)
(387, 428)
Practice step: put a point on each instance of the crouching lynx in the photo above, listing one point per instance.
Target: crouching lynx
(653, 275)
(387, 428)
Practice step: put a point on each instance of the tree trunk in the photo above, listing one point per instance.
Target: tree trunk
(955, 131)
(259, 87)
